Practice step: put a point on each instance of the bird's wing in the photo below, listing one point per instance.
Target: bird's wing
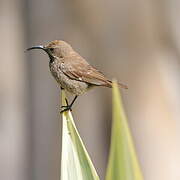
(75, 67)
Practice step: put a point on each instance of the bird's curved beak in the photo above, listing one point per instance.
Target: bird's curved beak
(37, 47)
(41, 47)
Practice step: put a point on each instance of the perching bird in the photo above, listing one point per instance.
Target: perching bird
(72, 72)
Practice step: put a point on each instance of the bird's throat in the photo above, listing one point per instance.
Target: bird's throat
(51, 58)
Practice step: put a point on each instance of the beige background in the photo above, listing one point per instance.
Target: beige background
(138, 42)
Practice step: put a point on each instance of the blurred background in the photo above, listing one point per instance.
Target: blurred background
(137, 42)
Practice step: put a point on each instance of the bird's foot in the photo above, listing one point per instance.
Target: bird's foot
(67, 107)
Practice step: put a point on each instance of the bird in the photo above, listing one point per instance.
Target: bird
(71, 71)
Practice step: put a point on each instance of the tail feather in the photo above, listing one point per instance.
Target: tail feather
(109, 84)
(123, 85)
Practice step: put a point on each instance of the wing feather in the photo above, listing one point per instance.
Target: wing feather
(80, 70)
(75, 67)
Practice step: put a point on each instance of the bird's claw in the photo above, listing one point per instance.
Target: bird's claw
(67, 107)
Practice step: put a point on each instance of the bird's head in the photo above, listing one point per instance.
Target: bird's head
(55, 49)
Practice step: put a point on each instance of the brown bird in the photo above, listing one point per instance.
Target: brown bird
(72, 71)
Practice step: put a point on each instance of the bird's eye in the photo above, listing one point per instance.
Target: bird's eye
(51, 49)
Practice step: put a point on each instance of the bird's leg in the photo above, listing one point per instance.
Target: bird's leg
(68, 106)
(73, 101)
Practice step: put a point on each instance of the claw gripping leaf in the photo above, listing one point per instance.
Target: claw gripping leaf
(75, 161)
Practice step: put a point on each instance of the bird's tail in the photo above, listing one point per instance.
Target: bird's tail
(109, 84)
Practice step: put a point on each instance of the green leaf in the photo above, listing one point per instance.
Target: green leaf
(123, 163)
(75, 161)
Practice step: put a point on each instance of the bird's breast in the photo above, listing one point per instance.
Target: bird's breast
(71, 85)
